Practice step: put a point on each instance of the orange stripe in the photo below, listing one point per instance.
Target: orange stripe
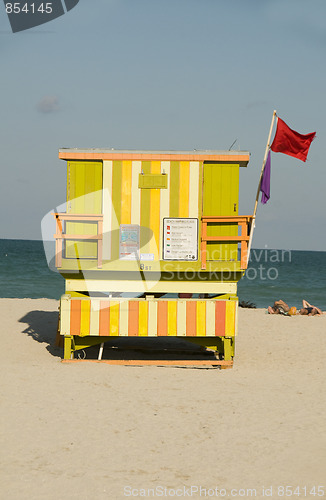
(133, 321)
(104, 326)
(75, 317)
(191, 318)
(162, 318)
(220, 318)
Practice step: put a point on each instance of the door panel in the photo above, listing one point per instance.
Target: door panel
(221, 197)
(84, 196)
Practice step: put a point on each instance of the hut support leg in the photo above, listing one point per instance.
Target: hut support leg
(68, 347)
(228, 348)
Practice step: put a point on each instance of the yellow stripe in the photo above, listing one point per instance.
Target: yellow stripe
(164, 204)
(155, 212)
(184, 189)
(107, 208)
(95, 317)
(236, 318)
(193, 189)
(229, 318)
(201, 318)
(143, 318)
(172, 317)
(126, 192)
(65, 315)
(210, 318)
(152, 318)
(124, 314)
(182, 318)
(85, 317)
(135, 192)
(114, 318)
(155, 167)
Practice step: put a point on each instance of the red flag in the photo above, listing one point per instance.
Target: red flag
(290, 142)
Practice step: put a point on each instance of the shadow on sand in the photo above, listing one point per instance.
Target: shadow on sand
(42, 327)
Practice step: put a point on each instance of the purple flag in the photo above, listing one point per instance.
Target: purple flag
(265, 185)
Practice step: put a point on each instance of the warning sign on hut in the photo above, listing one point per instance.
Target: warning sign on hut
(180, 239)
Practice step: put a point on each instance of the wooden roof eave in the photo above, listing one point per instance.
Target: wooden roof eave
(241, 157)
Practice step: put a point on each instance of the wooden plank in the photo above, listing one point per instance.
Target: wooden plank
(191, 318)
(227, 238)
(158, 362)
(230, 306)
(174, 188)
(182, 318)
(203, 245)
(75, 308)
(77, 217)
(184, 189)
(227, 218)
(116, 206)
(155, 198)
(201, 318)
(107, 208)
(145, 200)
(104, 320)
(193, 189)
(220, 318)
(126, 192)
(172, 317)
(162, 318)
(94, 325)
(143, 318)
(65, 315)
(133, 321)
(210, 318)
(79, 236)
(135, 193)
(152, 318)
(114, 318)
(85, 312)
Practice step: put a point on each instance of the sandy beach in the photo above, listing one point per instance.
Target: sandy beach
(95, 431)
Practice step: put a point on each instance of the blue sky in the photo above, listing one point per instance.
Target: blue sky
(167, 74)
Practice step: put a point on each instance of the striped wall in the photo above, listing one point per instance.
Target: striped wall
(148, 318)
(146, 207)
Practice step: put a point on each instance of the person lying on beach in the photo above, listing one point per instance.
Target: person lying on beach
(281, 307)
(309, 310)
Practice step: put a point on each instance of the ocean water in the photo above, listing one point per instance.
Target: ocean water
(271, 275)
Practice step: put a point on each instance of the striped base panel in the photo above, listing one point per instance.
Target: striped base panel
(148, 318)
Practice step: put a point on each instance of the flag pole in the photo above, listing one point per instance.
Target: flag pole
(259, 184)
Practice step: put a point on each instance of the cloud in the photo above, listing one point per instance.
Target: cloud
(256, 104)
(48, 104)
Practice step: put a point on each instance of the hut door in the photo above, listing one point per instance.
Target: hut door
(84, 196)
(221, 197)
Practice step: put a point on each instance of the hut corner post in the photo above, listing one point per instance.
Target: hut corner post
(253, 224)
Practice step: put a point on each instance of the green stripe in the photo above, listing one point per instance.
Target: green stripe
(174, 188)
(145, 210)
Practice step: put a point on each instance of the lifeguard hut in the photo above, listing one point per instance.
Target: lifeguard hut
(151, 245)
